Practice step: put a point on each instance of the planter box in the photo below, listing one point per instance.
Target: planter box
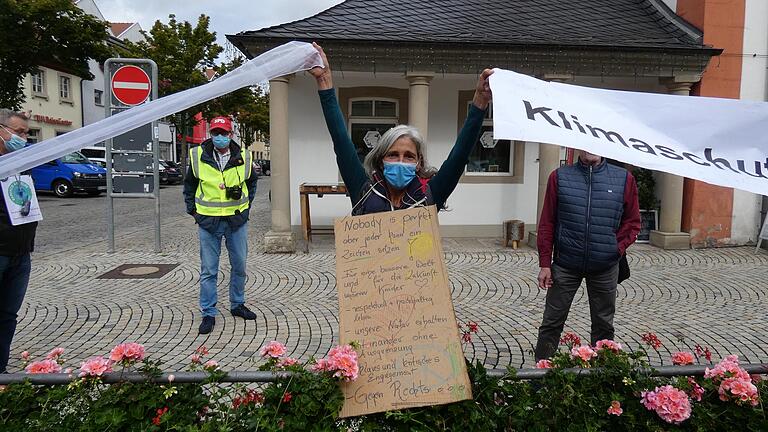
(649, 221)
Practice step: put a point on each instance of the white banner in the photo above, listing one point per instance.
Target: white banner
(719, 141)
(283, 60)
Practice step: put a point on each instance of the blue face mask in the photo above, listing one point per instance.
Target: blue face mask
(220, 141)
(399, 174)
(14, 143)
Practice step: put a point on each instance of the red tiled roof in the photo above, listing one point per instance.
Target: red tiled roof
(119, 28)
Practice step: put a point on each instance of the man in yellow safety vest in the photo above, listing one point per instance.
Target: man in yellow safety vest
(218, 190)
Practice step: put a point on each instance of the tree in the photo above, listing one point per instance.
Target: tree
(182, 54)
(253, 118)
(248, 106)
(50, 32)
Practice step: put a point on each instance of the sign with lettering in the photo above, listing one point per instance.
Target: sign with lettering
(395, 302)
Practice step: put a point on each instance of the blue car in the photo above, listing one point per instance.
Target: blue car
(72, 173)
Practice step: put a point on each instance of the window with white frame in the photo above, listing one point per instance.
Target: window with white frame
(38, 83)
(65, 88)
(491, 157)
(98, 97)
(369, 118)
(33, 136)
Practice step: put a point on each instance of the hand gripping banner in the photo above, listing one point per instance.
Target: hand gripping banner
(286, 59)
(720, 141)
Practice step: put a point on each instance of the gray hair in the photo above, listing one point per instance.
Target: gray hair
(374, 160)
(6, 115)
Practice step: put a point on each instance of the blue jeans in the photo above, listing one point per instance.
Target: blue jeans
(210, 250)
(14, 277)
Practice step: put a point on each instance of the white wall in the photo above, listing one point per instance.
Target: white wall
(746, 206)
(133, 34)
(479, 208)
(672, 4)
(92, 112)
(90, 7)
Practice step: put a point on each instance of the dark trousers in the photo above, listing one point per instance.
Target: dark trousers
(14, 277)
(601, 289)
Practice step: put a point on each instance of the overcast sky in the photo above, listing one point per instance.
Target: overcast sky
(227, 16)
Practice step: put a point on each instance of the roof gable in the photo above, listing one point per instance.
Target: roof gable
(120, 28)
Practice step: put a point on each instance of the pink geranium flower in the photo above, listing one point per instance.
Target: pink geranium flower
(727, 368)
(95, 367)
(615, 408)
(608, 345)
(682, 358)
(346, 365)
(25, 355)
(211, 365)
(287, 361)
(570, 339)
(322, 365)
(740, 390)
(43, 367)
(127, 352)
(342, 361)
(671, 404)
(697, 391)
(272, 349)
(583, 352)
(55, 353)
(651, 340)
(543, 364)
(195, 358)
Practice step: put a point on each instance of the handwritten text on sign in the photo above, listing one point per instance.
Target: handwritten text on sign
(395, 302)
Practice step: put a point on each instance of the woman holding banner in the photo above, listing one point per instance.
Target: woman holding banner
(394, 174)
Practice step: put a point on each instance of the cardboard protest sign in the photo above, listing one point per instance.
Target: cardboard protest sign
(395, 302)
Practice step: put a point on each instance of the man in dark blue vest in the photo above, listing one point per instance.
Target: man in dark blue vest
(590, 216)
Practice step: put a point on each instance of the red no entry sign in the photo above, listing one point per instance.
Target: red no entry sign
(131, 85)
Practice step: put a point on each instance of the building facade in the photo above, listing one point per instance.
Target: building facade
(52, 103)
(406, 69)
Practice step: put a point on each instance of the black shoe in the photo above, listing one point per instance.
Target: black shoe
(207, 325)
(243, 312)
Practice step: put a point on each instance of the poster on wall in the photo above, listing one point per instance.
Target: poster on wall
(395, 303)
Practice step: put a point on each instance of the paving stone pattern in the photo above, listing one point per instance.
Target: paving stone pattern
(715, 297)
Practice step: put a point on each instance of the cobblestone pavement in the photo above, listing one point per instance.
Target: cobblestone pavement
(715, 297)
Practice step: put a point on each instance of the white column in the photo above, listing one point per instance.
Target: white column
(669, 189)
(418, 101)
(280, 238)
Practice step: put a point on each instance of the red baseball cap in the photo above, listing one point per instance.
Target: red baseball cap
(221, 122)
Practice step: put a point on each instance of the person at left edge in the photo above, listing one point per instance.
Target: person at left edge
(218, 190)
(16, 242)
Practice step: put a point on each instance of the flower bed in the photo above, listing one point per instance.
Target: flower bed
(619, 395)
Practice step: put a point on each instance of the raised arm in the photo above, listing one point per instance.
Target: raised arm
(446, 179)
(352, 171)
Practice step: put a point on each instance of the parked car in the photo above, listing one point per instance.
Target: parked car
(69, 174)
(169, 172)
(97, 155)
(265, 166)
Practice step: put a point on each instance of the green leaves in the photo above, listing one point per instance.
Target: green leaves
(561, 401)
(53, 33)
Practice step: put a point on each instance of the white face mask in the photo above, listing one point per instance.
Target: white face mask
(13, 143)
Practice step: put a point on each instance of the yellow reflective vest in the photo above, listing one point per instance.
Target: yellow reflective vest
(211, 195)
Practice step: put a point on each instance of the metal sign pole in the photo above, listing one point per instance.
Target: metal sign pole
(132, 82)
(156, 164)
(108, 156)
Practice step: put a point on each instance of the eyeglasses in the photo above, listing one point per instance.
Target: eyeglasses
(20, 132)
(217, 133)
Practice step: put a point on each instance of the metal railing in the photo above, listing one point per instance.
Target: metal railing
(265, 377)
